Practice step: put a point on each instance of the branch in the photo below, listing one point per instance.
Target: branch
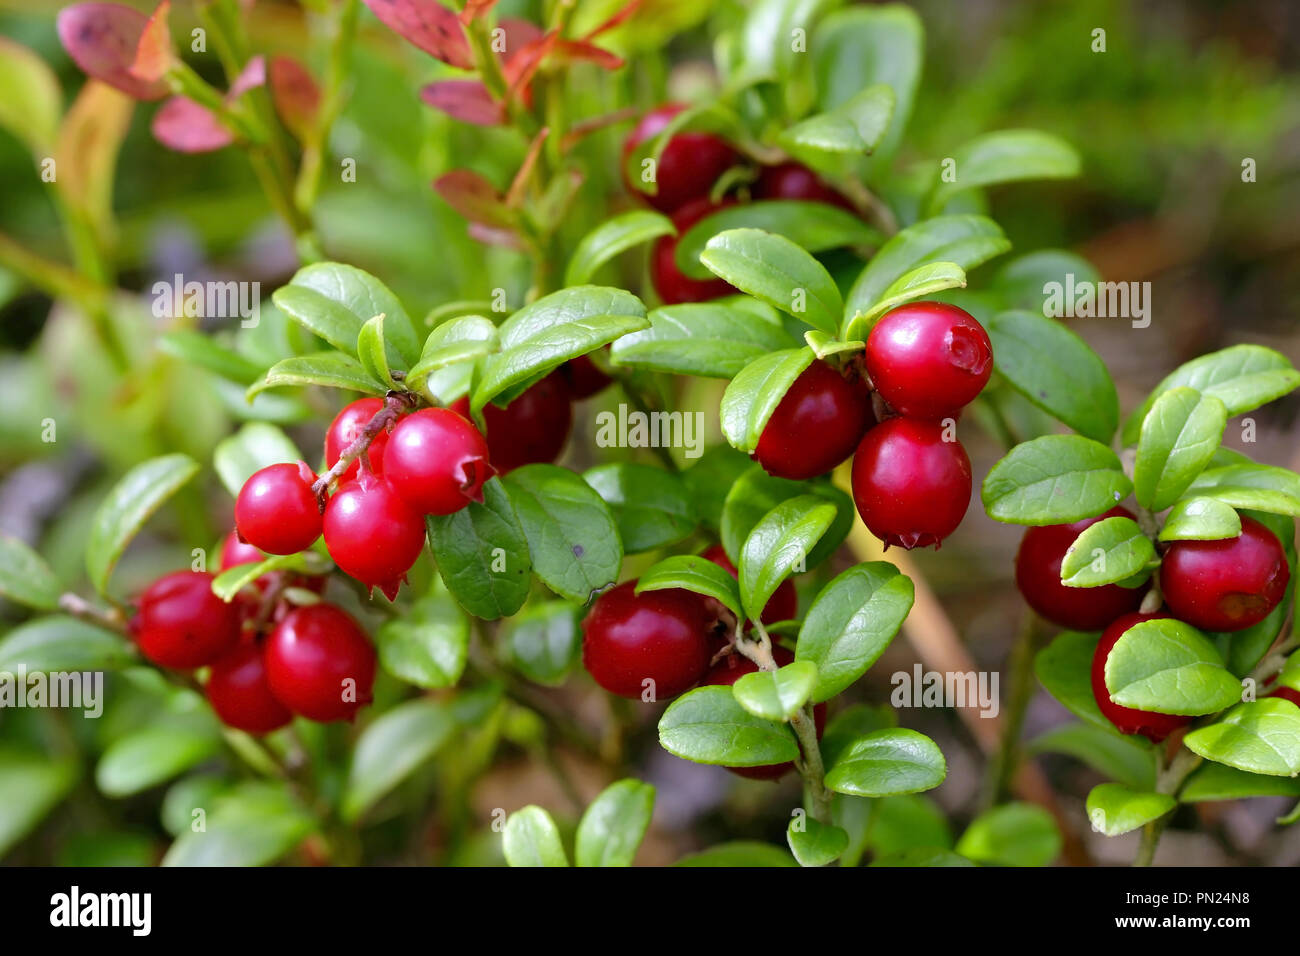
(395, 405)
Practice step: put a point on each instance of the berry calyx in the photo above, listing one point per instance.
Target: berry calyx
(347, 428)
(437, 461)
(320, 663)
(672, 285)
(584, 378)
(816, 425)
(181, 624)
(277, 511)
(239, 692)
(928, 359)
(372, 534)
(911, 486)
(532, 428)
(665, 637)
(688, 167)
(1155, 727)
(781, 606)
(797, 181)
(1225, 585)
(1038, 576)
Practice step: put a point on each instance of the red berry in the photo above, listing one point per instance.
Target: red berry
(1225, 585)
(664, 636)
(731, 669)
(584, 378)
(689, 165)
(372, 534)
(673, 285)
(783, 604)
(911, 487)
(320, 664)
(532, 428)
(797, 181)
(239, 693)
(437, 461)
(235, 552)
(817, 424)
(1287, 693)
(182, 624)
(1038, 575)
(928, 360)
(277, 511)
(347, 427)
(1155, 727)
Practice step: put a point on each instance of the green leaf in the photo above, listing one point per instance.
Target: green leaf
(1200, 519)
(888, 762)
(155, 754)
(1243, 377)
(814, 843)
(130, 503)
(255, 446)
(371, 350)
(614, 824)
(1005, 156)
(58, 643)
(1169, 667)
(1125, 758)
(392, 747)
(756, 493)
(920, 282)
(651, 506)
(1063, 667)
(851, 622)
(334, 300)
(1114, 808)
(741, 853)
(1179, 436)
(1055, 479)
(1215, 781)
(252, 825)
(1056, 370)
(778, 546)
(31, 102)
(813, 226)
(700, 338)
(327, 369)
(233, 580)
(708, 725)
(1261, 736)
(851, 723)
(711, 479)
(457, 341)
(25, 577)
(611, 238)
(426, 646)
(855, 126)
(753, 395)
(779, 694)
(1251, 486)
(1036, 282)
(543, 642)
(694, 573)
(200, 350)
(1015, 834)
(774, 270)
(1112, 550)
(922, 856)
(31, 785)
(531, 838)
(572, 537)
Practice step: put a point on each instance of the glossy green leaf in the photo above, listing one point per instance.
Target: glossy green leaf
(1216, 781)
(392, 747)
(779, 694)
(888, 762)
(1261, 736)
(234, 579)
(459, 340)
(1114, 808)
(1250, 486)
(694, 573)
(1015, 834)
(774, 270)
(427, 646)
(543, 642)
(700, 338)
(854, 722)
(650, 505)
(531, 838)
(925, 280)
(31, 102)
(64, 644)
(372, 351)
(1037, 283)
(1112, 550)
(614, 824)
(252, 825)
(1169, 667)
(333, 300)
(856, 126)
(1055, 479)
(1200, 519)
(778, 546)
(741, 853)
(483, 554)
(1004, 156)
(1128, 759)
(31, 785)
(1179, 436)
(708, 725)
(201, 350)
(25, 577)
(753, 395)
(814, 843)
(1063, 668)
(155, 754)
(755, 493)
(922, 856)
(255, 446)
(611, 238)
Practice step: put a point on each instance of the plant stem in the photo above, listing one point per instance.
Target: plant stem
(76, 606)
(1002, 766)
(1169, 780)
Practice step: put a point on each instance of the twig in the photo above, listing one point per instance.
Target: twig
(395, 404)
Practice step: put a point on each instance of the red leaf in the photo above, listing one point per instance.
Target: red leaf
(474, 9)
(187, 127)
(429, 25)
(475, 198)
(465, 100)
(522, 66)
(296, 95)
(515, 35)
(102, 39)
(616, 20)
(573, 50)
(252, 76)
(153, 54)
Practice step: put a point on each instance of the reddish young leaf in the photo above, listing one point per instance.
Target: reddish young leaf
(102, 39)
(428, 25)
(188, 127)
(250, 77)
(475, 198)
(570, 51)
(296, 95)
(521, 67)
(616, 20)
(154, 54)
(465, 100)
(515, 35)
(519, 185)
(475, 9)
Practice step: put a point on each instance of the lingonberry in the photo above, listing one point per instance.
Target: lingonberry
(235, 552)
(673, 285)
(928, 359)
(689, 165)
(910, 485)
(796, 181)
(782, 606)
(347, 427)
(1038, 575)
(240, 694)
(1156, 727)
(319, 663)
(584, 378)
(277, 511)
(1287, 693)
(1225, 585)
(731, 669)
(437, 461)
(372, 534)
(532, 428)
(180, 623)
(817, 424)
(662, 636)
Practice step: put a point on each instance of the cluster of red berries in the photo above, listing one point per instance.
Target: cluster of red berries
(1226, 585)
(267, 659)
